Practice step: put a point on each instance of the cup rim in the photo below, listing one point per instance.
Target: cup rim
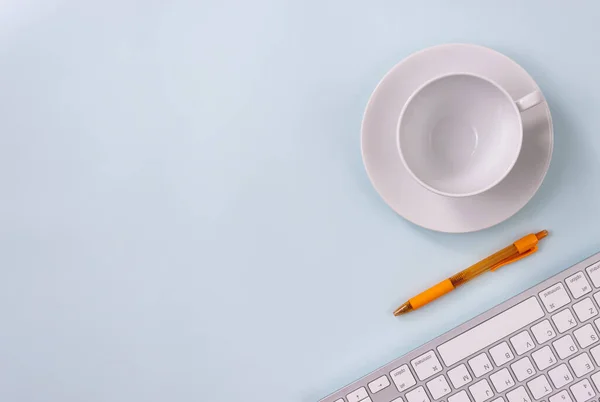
(489, 186)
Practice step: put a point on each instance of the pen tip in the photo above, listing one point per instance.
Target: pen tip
(542, 234)
(403, 309)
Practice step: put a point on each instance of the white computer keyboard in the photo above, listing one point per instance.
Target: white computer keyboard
(542, 345)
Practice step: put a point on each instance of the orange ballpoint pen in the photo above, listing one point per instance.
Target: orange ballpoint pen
(519, 249)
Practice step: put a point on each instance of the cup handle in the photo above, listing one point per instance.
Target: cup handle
(529, 101)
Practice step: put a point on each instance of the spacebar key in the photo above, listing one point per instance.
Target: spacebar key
(490, 331)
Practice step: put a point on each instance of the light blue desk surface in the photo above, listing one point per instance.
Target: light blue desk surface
(184, 211)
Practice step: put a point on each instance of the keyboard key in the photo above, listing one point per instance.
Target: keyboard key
(562, 396)
(502, 380)
(565, 346)
(578, 285)
(594, 273)
(554, 297)
(539, 387)
(585, 336)
(523, 369)
(379, 384)
(438, 387)
(403, 378)
(596, 379)
(581, 364)
(543, 358)
(396, 400)
(543, 331)
(480, 365)
(585, 309)
(518, 395)
(498, 400)
(597, 297)
(459, 397)
(339, 400)
(522, 342)
(426, 365)
(564, 320)
(481, 391)
(459, 376)
(357, 395)
(501, 354)
(560, 376)
(596, 354)
(490, 331)
(417, 395)
(582, 391)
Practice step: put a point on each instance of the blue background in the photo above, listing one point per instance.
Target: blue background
(184, 210)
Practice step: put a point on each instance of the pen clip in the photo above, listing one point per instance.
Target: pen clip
(515, 258)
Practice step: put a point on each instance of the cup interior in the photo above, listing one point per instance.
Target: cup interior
(460, 135)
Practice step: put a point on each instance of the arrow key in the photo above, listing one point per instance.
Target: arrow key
(379, 384)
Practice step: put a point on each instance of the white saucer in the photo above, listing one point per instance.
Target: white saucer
(421, 206)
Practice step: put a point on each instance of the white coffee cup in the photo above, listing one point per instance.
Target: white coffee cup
(460, 134)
